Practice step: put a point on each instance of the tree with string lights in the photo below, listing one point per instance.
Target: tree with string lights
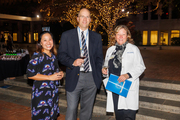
(104, 13)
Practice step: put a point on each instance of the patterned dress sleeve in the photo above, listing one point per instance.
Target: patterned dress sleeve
(56, 65)
(32, 67)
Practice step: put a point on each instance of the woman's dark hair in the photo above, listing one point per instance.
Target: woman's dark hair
(39, 47)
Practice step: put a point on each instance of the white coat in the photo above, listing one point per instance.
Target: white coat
(132, 63)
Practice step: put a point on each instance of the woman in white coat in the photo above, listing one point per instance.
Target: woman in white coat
(124, 60)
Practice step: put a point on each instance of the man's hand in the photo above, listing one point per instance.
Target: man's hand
(78, 62)
(104, 71)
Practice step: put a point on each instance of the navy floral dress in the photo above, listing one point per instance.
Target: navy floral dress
(44, 103)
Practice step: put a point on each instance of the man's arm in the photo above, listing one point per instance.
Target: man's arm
(99, 58)
(63, 56)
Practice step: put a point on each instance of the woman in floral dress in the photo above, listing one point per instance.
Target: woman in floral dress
(44, 70)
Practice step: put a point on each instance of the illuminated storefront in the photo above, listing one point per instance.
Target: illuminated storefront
(22, 29)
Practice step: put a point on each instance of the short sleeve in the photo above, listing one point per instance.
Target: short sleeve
(32, 67)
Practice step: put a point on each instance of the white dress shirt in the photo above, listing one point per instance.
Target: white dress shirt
(86, 36)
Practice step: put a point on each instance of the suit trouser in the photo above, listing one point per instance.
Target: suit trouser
(122, 114)
(85, 91)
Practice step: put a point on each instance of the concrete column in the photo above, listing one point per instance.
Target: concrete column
(159, 17)
(19, 33)
(10, 28)
(39, 27)
(31, 37)
(159, 37)
(149, 13)
(169, 37)
(140, 17)
(159, 32)
(149, 31)
(170, 11)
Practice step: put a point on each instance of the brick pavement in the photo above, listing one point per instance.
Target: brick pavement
(162, 64)
(12, 111)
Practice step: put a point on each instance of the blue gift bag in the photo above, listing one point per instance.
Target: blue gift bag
(121, 88)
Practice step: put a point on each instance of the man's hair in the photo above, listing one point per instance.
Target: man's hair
(81, 9)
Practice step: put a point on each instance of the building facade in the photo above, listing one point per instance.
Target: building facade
(22, 29)
(158, 30)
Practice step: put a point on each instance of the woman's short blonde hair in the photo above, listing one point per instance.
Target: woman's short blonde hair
(116, 30)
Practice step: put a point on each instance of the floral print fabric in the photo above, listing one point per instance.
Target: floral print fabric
(44, 103)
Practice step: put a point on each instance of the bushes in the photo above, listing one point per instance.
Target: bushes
(137, 37)
(175, 41)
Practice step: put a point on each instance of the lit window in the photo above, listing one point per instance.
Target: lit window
(174, 33)
(35, 36)
(29, 37)
(14, 36)
(164, 38)
(154, 37)
(24, 36)
(145, 37)
(6, 36)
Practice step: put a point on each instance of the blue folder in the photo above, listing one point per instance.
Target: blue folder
(121, 88)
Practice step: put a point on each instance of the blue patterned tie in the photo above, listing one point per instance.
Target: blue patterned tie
(84, 47)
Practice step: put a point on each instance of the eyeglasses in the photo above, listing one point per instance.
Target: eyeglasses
(88, 17)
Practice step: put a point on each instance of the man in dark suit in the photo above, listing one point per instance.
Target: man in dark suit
(83, 76)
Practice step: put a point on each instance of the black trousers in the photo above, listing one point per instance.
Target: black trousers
(122, 114)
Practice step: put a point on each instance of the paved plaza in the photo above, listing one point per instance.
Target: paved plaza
(160, 64)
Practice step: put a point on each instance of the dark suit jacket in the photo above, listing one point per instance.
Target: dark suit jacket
(69, 51)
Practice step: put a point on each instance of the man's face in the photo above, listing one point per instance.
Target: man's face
(84, 19)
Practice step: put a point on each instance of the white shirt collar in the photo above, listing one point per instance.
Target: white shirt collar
(79, 31)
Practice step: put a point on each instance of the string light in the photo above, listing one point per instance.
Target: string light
(103, 13)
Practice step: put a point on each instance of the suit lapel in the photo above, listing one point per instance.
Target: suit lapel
(90, 42)
(76, 43)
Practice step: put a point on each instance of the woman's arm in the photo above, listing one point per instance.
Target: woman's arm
(53, 77)
(133, 63)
